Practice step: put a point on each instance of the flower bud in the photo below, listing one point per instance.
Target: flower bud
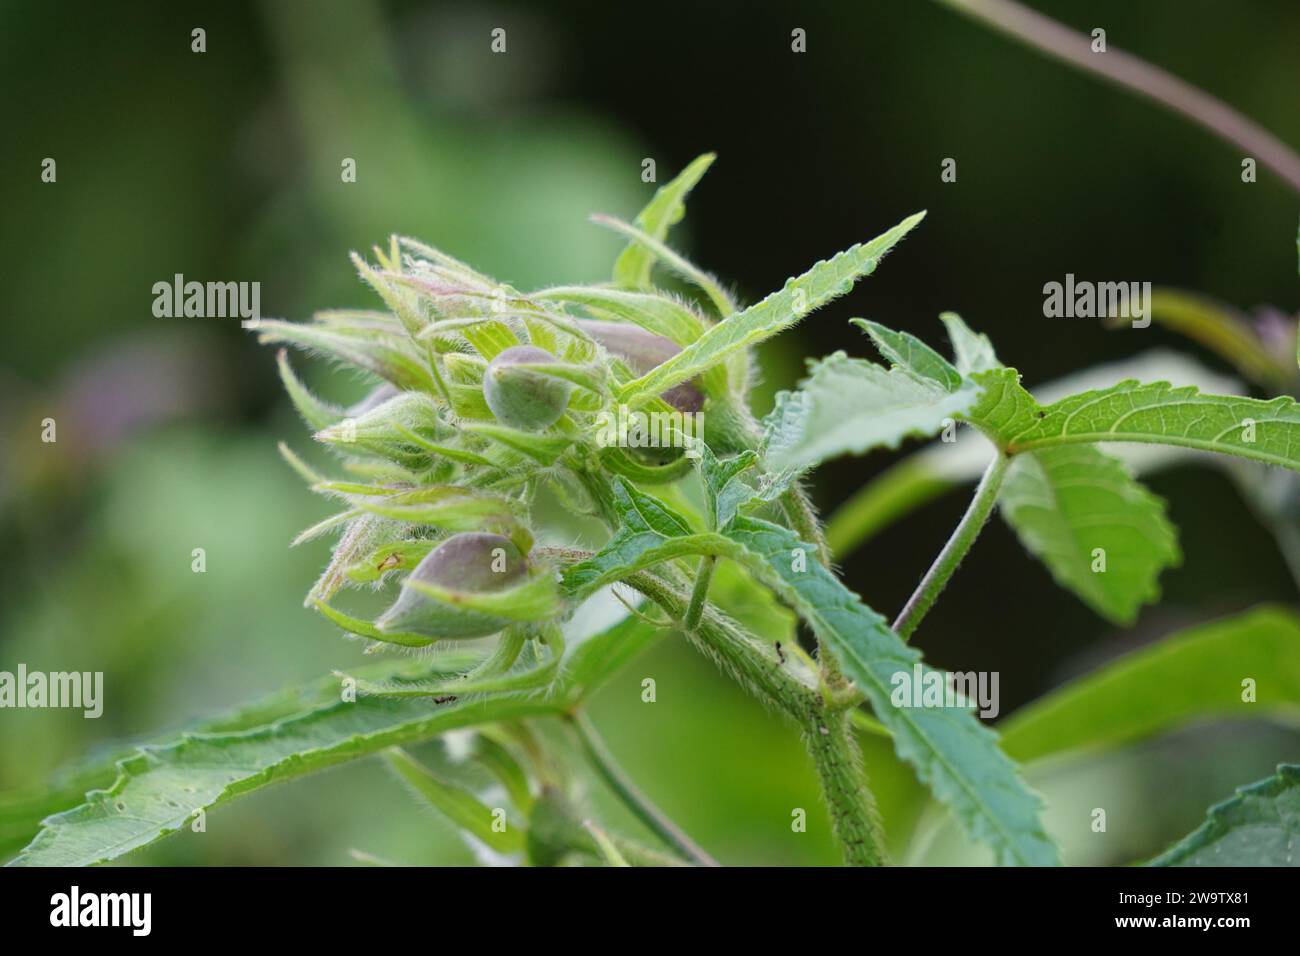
(521, 397)
(473, 562)
(642, 351)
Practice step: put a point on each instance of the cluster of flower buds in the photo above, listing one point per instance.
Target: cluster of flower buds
(482, 394)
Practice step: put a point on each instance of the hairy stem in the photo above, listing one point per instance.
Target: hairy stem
(839, 765)
(968, 529)
(1043, 33)
(627, 791)
(700, 593)
(757, 667)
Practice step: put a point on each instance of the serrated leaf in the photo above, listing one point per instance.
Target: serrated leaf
(632, 268)
(723, 489)
(1257, 826)
(910, 354)
(1159, 413)
(1074, 507)
(159, 788)
(951, 751)
(1194, 675)
(850, 406)
(465, 811)
(21, 814)
(780, 310)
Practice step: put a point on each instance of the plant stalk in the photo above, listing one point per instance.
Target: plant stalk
(967, 530)
(1124, 69)
(830, 744)
(627, 791)
(700, 593)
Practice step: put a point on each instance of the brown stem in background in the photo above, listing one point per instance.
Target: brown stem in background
(1124, 69)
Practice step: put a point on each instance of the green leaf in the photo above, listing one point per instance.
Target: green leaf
(780, 310)
(489, 337)
(723, 489)
(974, 353)
(1158, 413)
(445, 507)
(850, 406)
(952, 752)
(1194, 675)
(1258, 826)
(159, 788)
(21, 813)
(535, 599)
(496, 758)
(632, 268)
(458, 805)
(1067, 504)
(400, 429)
(316, 413)
(362, 628)
(394, 298)
(596, 658)
(649, 532)
(673, 261)
(912, 355)
(545, 449)
(393, 556)
(653, 312)
(386, 357)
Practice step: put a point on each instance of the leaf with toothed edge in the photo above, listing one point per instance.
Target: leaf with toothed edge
(1258, 826)
(1074, 505)
(955, 755)
(780, 310)
(851, 406)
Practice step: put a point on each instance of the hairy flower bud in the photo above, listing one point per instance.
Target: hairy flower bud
(522, 397)
(473, 562)
(642, 351)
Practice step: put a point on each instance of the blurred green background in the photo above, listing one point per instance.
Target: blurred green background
(226, 165)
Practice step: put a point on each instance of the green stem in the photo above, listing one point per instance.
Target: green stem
(758, 668)
(700, 593)
(968, 529)
(636, 801)
(803, 520)
(839, 765)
